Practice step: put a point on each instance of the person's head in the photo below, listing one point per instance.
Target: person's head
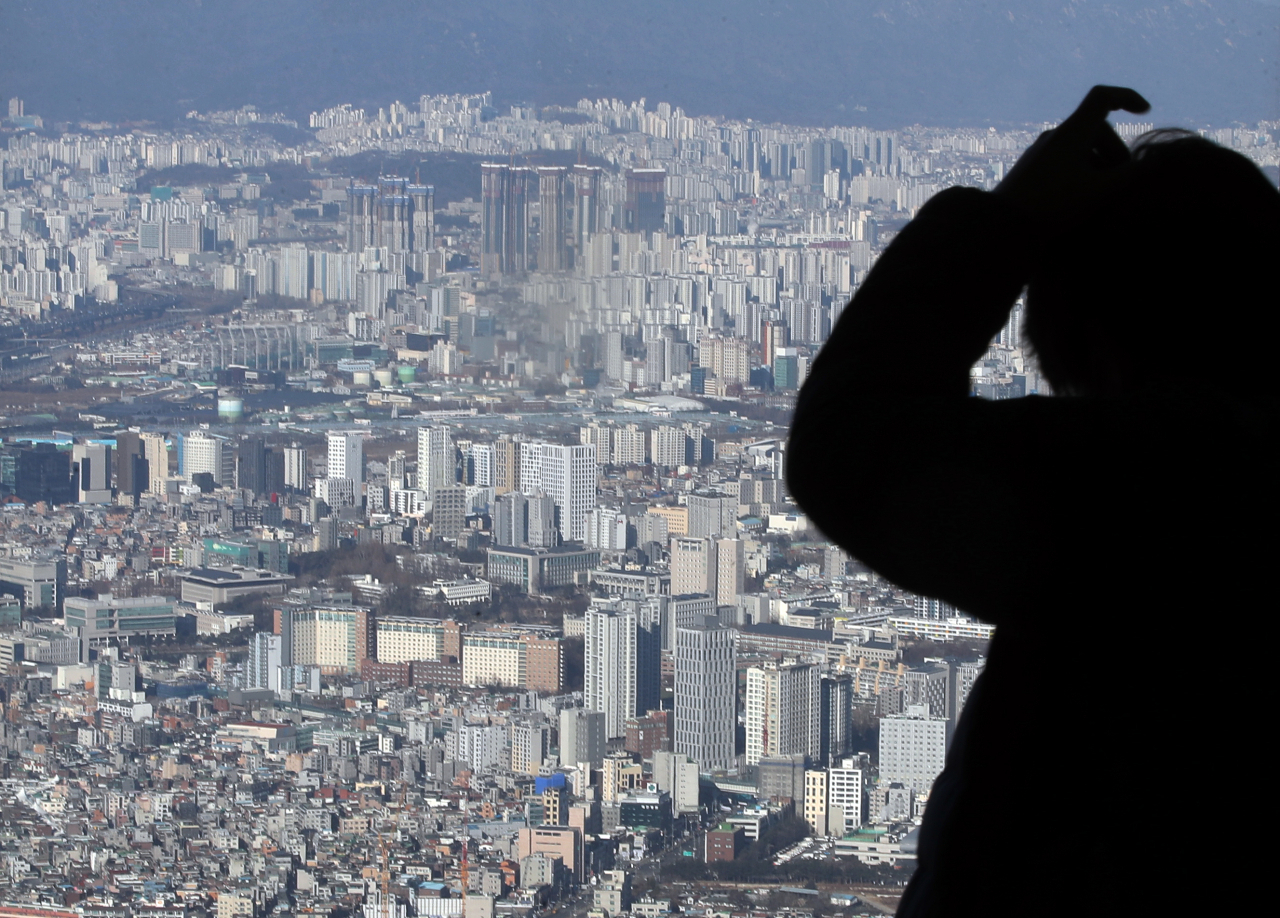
(1173, 281)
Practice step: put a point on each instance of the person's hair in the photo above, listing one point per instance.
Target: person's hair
(1171, 286)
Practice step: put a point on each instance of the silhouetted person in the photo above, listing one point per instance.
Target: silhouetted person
(1118, 534)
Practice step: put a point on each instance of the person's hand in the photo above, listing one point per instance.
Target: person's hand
(1070, 169)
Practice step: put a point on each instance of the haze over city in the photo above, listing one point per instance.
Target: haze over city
(394, 402)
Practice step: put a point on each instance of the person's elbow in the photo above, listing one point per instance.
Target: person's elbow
(807, 465)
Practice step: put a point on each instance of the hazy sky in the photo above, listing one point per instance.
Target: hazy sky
(883, 63)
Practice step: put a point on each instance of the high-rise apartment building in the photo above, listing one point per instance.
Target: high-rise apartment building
(504, 218)
(555, 200)
(705, 693)
(395, 214)
(645, 210)
(295, 467)
(437, 463)
(524, 520)
(628, 445)
(449, 511)
(667, 447)
(506, 465)
(266, 656)
(480, 465)
(836, 718)
(585, 182)
(783, 715)
(567, 474)
(600, 436)
(622, 661)
(91, 469)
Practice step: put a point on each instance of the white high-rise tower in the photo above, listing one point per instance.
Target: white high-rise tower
(566, 474)
(436, 468)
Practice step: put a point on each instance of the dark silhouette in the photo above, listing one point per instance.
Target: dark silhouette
(1129, 511)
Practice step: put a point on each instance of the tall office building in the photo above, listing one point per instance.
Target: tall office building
(346, 459)
(506, 465)
(783, 711)
(582, 737)
(203, 452)
(913, 747)
(705, 693)
(251, 465)
(130, 467)
(568, 475)
(437, 464)
(91, 469)
(156, 452)
(623, 665)
(504, 218)
(645, 210)
(395, 214)
(837, 718)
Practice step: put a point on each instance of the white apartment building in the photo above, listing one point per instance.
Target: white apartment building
(609, 683)
(530, 744)
(666, 446)
(295, 467)
(783, 711)
(436, 468)
(566, 474)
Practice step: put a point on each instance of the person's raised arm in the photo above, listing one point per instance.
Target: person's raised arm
(888, 454)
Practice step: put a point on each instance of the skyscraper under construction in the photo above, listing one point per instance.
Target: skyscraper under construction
(504, 219)
(568, 201)
(393, 214)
